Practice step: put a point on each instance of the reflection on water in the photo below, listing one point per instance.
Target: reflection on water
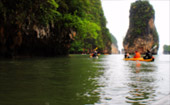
(141, 87)
(133, 83)
(80, 80)
(49, 81)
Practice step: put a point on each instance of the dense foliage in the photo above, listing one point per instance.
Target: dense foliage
(166, 49)
(82, 21)
(18, 11)
(90, 26)
(141, 12)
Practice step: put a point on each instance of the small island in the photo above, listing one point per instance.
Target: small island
(166, 49)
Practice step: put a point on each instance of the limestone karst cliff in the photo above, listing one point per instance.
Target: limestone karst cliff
(52, 27)
(142, 33)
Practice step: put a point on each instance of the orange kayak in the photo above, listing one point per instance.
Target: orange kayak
(138, 59)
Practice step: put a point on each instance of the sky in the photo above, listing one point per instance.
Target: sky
(117, 16)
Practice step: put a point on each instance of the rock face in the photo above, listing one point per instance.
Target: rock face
(27, 28)
(142, 34)
(33, 40)
(114, 49)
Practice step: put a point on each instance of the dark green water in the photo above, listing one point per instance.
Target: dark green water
(80, 80)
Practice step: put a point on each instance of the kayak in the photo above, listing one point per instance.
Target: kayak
(138, 59)
(93, 56)
(96, 56)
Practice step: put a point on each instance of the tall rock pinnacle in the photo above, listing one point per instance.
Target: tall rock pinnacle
(142, 33)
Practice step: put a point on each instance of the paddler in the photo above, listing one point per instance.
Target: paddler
(94, 53)
(148, 55)
(127, 55)
(137, 54)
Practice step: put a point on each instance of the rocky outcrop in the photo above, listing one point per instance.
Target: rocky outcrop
(33, 40)
(142, 33)
(114, 49)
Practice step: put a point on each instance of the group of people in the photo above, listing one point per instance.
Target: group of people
(148, 55)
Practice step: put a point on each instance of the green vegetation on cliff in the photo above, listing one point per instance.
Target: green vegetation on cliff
(166, 49)
(52, 27)
(141, 13)
(90, 26)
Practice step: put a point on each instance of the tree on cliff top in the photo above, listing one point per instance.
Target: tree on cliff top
(91, 30)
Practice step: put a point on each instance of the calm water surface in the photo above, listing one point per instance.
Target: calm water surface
(80, 80)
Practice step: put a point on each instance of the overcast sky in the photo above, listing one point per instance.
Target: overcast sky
(117, 16)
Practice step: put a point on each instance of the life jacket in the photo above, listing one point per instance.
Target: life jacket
(153, 57)
(137, 55)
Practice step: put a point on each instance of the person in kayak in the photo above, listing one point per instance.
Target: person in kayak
(94, 54)
(137, 54)
(127, 55)
(148, 55)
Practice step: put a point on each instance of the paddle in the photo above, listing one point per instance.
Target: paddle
(93, 52)
(148, 55)
(153, 47)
